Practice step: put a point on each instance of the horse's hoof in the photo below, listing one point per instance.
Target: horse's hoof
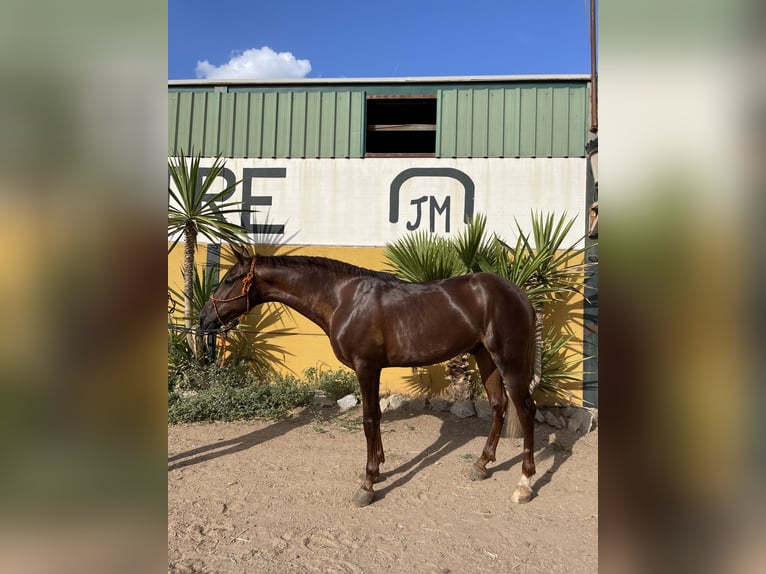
(363, 497)
(521, 495)
(476, 473)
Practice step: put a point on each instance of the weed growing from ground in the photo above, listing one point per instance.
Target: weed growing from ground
(334, 384)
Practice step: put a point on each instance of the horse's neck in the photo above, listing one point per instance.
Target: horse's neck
(304, 289)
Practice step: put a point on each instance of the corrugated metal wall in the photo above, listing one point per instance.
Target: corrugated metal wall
(533, 121)
(266, 124)
(526, 120)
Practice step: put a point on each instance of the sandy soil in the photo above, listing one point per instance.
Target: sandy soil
(275, 498)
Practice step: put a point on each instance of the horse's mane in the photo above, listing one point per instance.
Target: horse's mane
(323, 263)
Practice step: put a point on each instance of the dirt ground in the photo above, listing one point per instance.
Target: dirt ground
(275, 498)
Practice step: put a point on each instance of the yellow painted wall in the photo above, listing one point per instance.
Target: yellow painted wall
(175, 265)
(305, 345)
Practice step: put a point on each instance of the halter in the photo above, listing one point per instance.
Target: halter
(247, 282)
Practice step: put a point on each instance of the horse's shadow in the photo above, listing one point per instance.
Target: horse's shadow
(454, 434)
(226, 447)
(549, 441)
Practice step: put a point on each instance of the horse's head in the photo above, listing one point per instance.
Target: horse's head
(234, 296)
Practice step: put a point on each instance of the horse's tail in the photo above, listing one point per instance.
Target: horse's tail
(537, 351)
(512, 427)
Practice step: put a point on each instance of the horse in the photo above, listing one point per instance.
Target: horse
(374, 320)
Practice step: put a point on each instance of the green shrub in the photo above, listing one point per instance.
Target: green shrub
(227, 393)
(194, 377)
(334, 384)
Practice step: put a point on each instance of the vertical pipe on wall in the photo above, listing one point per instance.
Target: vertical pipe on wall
(593, 73)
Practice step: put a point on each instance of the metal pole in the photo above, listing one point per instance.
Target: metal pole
(593, 73)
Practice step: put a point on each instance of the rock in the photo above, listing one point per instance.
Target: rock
(483, 410)
(580, 420)
(440, 404)
(418, 404)
(397, 401)
(594, 412)
(463, 409)
(573, 424)
(552, 419)
(392, 403)
(347, 402)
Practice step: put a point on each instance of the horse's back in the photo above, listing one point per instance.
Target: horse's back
(477, 297)
(411, 324)
(494, 290)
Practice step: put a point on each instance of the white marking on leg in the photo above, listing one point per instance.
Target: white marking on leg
(523, 492)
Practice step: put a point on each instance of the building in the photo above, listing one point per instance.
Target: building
(340, 167)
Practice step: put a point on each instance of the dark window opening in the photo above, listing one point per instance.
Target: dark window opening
(404, 125)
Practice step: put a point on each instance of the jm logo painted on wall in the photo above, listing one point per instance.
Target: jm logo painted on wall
(434, 207)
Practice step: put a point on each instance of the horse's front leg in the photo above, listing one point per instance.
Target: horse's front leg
(369, 382)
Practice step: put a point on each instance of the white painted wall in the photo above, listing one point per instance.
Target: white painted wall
(347, 202)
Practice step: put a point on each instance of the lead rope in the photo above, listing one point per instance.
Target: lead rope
(223, 347)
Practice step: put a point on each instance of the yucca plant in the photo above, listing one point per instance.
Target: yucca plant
(180, 356)
(193, 209)
(540, 264)
(203, 285)
(422, 256)
(544, 268)
(558, 369)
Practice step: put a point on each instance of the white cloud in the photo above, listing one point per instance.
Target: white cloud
(255, 63)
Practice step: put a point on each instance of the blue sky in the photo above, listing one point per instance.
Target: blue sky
(391, 38)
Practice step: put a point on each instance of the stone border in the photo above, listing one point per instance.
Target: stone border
(576, 419)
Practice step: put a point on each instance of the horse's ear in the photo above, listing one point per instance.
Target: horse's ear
(238, 255)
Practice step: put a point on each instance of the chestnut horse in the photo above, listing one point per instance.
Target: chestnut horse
(374, 321)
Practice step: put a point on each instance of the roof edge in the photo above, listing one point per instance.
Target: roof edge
(389, 80)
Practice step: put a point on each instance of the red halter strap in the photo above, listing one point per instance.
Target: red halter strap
(247, 282)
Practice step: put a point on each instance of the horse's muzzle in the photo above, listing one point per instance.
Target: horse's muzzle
(210, 322)
(208, 319)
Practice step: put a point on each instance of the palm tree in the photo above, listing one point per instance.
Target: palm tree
(194, 209)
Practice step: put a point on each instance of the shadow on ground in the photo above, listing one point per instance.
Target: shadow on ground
(454, 434)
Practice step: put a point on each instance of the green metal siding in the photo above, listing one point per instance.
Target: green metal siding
(266, 124)
(506, 119)
(518, 121)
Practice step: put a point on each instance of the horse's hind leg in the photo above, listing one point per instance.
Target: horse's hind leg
(497, 402)
(518, 387)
